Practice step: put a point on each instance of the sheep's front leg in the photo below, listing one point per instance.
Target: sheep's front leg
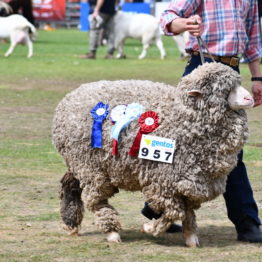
(120, 48)
(174, 210)
(156, 227)
(144, 51)
(10, 49)
(190, 228)
(161, 48)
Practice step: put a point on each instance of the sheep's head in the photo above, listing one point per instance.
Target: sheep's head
(214, 86)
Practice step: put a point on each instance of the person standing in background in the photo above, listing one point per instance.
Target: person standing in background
(101, 18)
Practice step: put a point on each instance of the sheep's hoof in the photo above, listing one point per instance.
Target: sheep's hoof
(113, 237)
(121, 56)
(192, 241)
(71, 231)
(148, 227)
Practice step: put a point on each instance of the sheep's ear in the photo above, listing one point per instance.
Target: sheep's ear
(194, 92)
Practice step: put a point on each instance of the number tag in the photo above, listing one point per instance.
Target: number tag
(157, 148)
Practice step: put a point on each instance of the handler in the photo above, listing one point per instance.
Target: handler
(229, 28)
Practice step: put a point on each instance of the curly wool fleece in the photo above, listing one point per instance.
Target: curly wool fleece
(208, 137)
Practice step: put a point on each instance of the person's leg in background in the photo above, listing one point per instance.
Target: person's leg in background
(27, 10)
(109, 28)
(15, 5)
(94, 33)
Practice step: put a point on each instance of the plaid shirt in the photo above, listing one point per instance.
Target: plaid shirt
(230, 27)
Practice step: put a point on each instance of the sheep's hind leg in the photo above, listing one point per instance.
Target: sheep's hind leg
(190, 228)
(71, 205)
(106, 217)
(29, 45)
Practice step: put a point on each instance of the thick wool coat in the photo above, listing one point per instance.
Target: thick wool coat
(208, 135)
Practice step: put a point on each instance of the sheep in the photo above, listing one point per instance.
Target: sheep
(204, 114)
(19, 30)
(144, 27)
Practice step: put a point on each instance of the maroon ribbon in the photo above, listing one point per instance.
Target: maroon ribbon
(114, 147)
(148, 122)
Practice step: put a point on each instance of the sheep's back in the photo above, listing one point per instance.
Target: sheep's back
(197, 171)
(72, 122)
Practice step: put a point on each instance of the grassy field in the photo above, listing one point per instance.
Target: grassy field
(30, 168)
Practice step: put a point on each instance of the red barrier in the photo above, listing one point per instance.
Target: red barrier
(49, 10)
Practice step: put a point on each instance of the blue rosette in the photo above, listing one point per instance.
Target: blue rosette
(99, 113)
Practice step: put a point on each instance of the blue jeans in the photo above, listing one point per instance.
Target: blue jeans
(239, 195)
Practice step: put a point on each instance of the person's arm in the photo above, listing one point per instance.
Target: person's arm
(255, 71)
(191, 24)
(180, 16)
(99, 3)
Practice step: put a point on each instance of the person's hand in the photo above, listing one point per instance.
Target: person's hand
(257, 92)
(95, 13)
(193, 25)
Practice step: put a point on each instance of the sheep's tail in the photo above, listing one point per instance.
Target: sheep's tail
(71, 205)
(32, 31)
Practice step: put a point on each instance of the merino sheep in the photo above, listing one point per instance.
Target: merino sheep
(144, 27)
(203, 114)
(19, 30)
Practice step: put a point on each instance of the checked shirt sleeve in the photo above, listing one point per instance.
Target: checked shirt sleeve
(253, 48)
(176, 9)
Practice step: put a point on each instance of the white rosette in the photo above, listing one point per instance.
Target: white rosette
(117, 113)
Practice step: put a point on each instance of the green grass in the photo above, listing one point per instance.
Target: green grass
(30, 168)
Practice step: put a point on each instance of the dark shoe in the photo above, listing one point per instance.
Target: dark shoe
(174, 228)
(150, 214)
(249, 231)
(109, 56)
(88, 56)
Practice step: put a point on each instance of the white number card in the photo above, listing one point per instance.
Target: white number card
(157, 148)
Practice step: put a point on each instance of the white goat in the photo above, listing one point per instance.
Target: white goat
(140, 26)
(19, 30)
(181, 40)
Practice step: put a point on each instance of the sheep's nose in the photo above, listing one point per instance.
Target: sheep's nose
(248, 98)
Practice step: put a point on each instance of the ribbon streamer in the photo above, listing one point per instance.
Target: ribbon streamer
(132, 112)
(148, 122)
(99, 114)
